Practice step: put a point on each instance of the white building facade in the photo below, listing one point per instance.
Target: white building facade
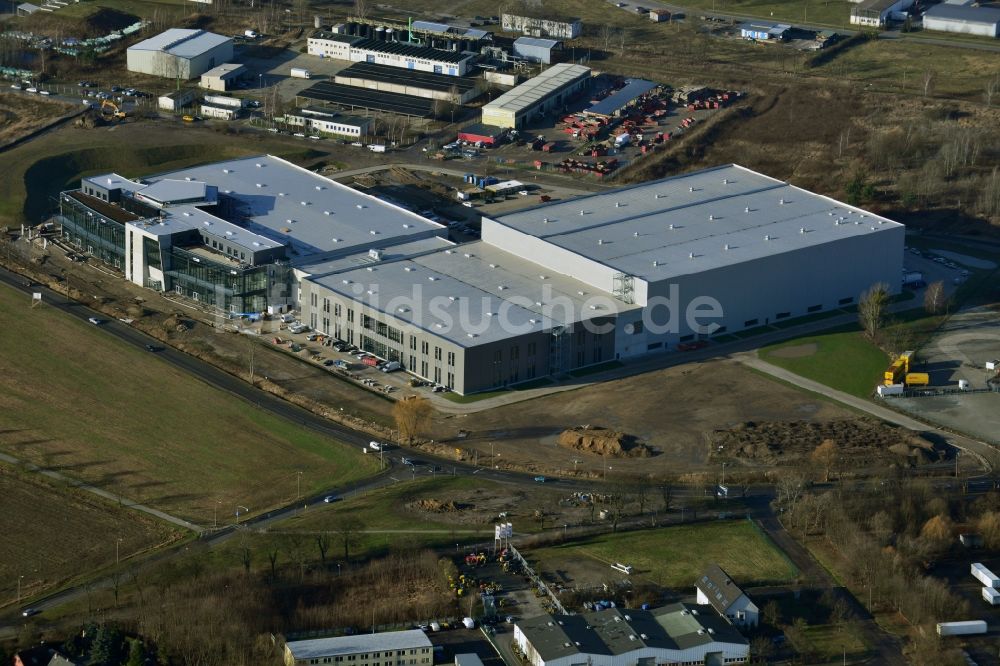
(179, 53)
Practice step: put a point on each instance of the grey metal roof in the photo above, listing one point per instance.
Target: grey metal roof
(536, 89)
(615, 631)
(620, 99)
(168, 189)
(347, 645)
(310, 212)
(539, 42)
(362, 259)
(694, 222)
(225, 70)
(444, 28)
(113, 181)
(873, 5)
(720, 589)
(964, 14)
(181, 42)
(499, 293)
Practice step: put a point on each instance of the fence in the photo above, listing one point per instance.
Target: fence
(539, 583)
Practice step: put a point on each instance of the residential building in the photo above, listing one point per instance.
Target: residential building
(393, 648)
(318, 119)
(674, 634)
(42, 655)
(179, 53)
(717, 589)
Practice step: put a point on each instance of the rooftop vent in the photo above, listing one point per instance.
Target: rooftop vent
(360, 205)
(335, 240)
(188, 178)
(501, 288)
(439, 325)
(600, 241)
(711, 631)
(701, 632)
(711, 218)
(319, 187)
(725, 181)
(468, 256)
(489, 314)
(227, 171)
(408, 269)
(690, 189)
(326, 212)
(282, 194)
(618, 204)
(690, 255)
(289, 221)
(259, 165)
(373, 232)
(656, 196)
(595, 307)
(802, 230)
(727, 246)
(643, 636)
(541, 277)
(767, 237)
(260, 184)
(187, 214)
(617, 619)
(532, 321)
(256, 244)
(545, 220)
(304, 203)
(453, 298)
(631, 637)
(671, 227)
(830, 213)
(230, 233)
(472, 335)
(747, 209)
(538, 304)
(449, 252)
(346, 281)
(655, 263)
(406, 226)
(493, 265)
(583, 212)
(781, 202)
(579, 293)
(404, 309)
(370, 292)
(432, 278)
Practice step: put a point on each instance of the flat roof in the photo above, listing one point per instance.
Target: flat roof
(225, 70)
(297, 207)
(480, 129)
(362, 259)
(318, 113)
(618, 100)
(875, 5)
(347, 645)
(168, 189)
(537, 41)
(445, 29)
(567, 20)
(335, 37)
(370, 71)
(499, 293)
(620, 631)
(109, 211)
(964, 13)
(363, 98)
(181, 42)
(536, 89)
(694, 222)
(397, 48)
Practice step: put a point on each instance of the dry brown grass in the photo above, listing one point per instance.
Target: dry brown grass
(21, 114)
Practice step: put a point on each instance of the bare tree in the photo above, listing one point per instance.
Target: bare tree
(790, 486)
(347, 529)
(362, 8)
(272, 556)
(246, 557)
(992, 87)
(826, 455)
(323, 543)
(667, 494)
(872, 309)
(935, 298)
(411, 415)
(623, 36)
(607, 33)
(928, 81)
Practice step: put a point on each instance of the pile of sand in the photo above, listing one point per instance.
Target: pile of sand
(603, 442)
(434, 506)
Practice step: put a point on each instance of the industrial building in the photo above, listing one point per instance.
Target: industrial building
(569, 28)
(352, 98)
(764, 32)
(547, 290)
(317, 119)
(387, 51)
(229, 234)
(536, 49)
(389, 648)
(609, 276)
(450, 31)
(547, 92)
(175, 100)
(218, 111)
(674, 634)
(224, 77)
(488, 135)
(876, 13)
(179, 53)
(966, 19)
(623, 99)
(716, 589)
(383, 78)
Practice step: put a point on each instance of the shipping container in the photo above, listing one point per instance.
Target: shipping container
(991, 596)
(967, 628)
(984, 575)
(300, 73)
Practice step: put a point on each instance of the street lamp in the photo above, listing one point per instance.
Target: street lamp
(245, 510)
(215, 513)
(724, 474)
(19, 589)
(492, 457)
(118, 542)
(338, 568)
(298, 485)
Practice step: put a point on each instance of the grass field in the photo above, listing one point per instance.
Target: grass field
(22, 114)
(54, 534)
(840, 358)
(75, 399)
(835, 13)
(675, 556)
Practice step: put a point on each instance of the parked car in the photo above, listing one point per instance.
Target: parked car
(330, 499)
(28, 612)
(540, 479)
(95, 321)
(392, 366)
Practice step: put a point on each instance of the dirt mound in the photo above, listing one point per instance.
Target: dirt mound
(860, 443)
(603, 442)
(106, 20)
(435, 506)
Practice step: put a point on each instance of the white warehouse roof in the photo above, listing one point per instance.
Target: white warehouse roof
(348, 645)
(495, 290)
(533, 90)
(964, 14)
(694, 222)
(181, 42)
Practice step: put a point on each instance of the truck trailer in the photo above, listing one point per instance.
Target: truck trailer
(984, 575)
(967, 628)
(991, 596)
(300, 73)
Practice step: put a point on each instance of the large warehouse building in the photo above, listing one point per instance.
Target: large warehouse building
(547, 290)
(453, 89)
(179, 53)
(569, 28)
(876, 13)
(674, 634)
(966, 19)
(547, 92)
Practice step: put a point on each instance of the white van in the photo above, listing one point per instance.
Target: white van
(375, 446)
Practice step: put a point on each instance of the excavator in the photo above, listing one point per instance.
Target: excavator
(108, 105)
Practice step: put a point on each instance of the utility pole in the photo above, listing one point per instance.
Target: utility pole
(957, 453)
(298, 485)
(118, 542)
(19, 589)
(724, 474)
(492, 457)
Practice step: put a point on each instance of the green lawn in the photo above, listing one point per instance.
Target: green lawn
(833, 642)
(75, 399)
(676, 556)
(840, 358)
